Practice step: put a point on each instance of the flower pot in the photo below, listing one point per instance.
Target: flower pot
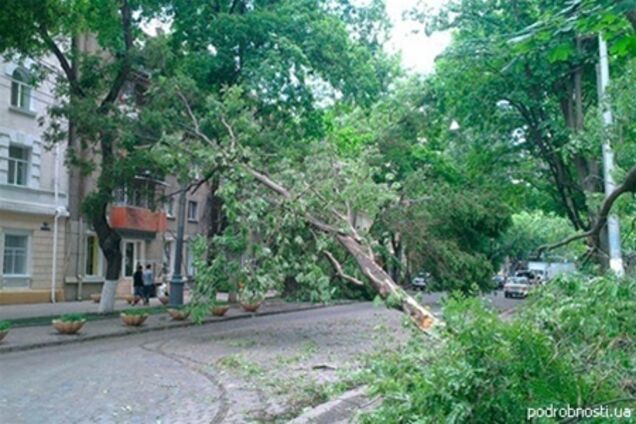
(3, 334)
(68, 327)
(178, 314)
(251, 307)
(130, 299)
(133, 320)
(96, 297)
(164, 300)
(219, 310)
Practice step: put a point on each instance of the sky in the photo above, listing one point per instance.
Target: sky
(418, 51)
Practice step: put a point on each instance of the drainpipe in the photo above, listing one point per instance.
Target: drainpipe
(56, 177)
(80, 258)
(60, 212)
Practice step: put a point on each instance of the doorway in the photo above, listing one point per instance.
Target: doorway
(134, 253)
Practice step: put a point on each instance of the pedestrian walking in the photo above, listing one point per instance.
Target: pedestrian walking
(138, 284)
(149, 281)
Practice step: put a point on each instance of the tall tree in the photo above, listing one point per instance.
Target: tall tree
(538, 97)
(92, 86)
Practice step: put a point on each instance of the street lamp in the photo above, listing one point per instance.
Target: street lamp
(176, 282)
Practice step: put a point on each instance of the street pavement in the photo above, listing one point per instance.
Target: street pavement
(261, 369)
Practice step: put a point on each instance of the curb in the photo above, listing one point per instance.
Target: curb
(338, 410)
(161, 327)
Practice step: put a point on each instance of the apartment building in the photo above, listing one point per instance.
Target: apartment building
(33, 190)
(145, 215)
(48, 251)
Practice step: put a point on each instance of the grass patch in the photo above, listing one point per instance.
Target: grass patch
(241, 365)
(241, 343)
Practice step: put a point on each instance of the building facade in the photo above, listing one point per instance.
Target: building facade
(48, 251)
(145, 216)
(33, 190)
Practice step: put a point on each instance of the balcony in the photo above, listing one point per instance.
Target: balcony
(137, 219)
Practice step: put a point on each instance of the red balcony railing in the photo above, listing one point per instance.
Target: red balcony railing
(139, 219)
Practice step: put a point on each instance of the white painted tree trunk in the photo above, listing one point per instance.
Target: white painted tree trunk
(107, 302)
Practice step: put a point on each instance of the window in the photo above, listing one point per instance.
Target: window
(138, 193)
(169, 206)
(20, 90)
(18, 165)
(16, 249)
(93, 257)
(192, 211)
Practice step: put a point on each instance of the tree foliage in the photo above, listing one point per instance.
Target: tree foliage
(489, 369)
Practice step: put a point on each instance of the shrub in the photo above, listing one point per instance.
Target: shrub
(5, 325)
(72, 317)
(573, 345)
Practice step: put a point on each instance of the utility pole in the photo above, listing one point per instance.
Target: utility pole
(176, 282)
(613, 229)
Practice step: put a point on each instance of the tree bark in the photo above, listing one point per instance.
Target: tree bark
(110, 244)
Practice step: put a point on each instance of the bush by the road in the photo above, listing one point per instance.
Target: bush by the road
(574, 344)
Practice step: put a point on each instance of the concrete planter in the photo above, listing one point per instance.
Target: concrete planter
(3, 334)
(251, 307)
(96, 297)
(133, 320)
(178, 314)
(68, 327)
(219, 310)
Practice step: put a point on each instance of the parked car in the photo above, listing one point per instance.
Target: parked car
(517, 286)
(419, 282)
(534, 277)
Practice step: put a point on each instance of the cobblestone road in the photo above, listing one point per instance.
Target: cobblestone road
(264, 369)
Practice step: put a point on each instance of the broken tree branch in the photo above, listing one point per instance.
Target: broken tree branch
(339, 271)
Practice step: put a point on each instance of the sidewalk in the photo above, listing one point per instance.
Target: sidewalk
(26, 338)
(35, 310)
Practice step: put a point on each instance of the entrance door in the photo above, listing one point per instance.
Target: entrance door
(133, 255)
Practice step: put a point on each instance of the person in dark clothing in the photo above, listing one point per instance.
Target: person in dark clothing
(149, 281)
(138, 283)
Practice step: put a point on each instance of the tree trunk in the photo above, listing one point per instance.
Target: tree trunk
(110, 244)
(385, 286)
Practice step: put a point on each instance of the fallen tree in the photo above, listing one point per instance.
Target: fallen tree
(227, 149)
(377, 277)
